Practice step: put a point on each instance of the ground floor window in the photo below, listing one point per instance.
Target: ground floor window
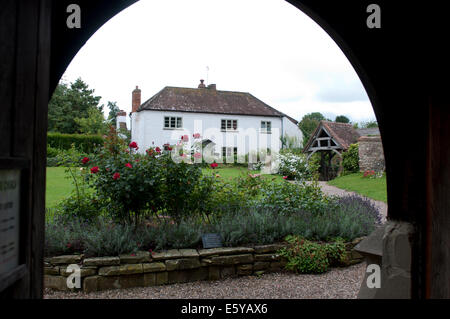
(229, 151)
(173, 122)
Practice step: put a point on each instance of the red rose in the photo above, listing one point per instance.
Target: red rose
(284, 177)
(185, 138)
(157, 149)
(196, 135)
(198, 155)
(129, 165)
(116, 176)
(214, 165)
(133, 145)
(94, 169)
(85, 160)
(169, 148)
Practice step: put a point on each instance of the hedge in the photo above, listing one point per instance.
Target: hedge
(83, 143)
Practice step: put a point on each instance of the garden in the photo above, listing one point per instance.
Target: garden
(126, 202)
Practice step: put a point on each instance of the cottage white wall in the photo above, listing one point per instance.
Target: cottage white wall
(291, 129)
(147, 129)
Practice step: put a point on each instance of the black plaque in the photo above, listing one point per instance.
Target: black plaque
(212, 240)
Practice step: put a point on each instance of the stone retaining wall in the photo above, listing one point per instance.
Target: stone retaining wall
(172, 266)
(371, 156)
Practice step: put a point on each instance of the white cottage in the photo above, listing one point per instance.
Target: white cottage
(228, 122)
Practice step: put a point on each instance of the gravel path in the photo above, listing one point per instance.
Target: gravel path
(332, 190)
(337, 283)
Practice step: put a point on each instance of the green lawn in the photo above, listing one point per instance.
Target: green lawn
(374, 188)
(59, 187)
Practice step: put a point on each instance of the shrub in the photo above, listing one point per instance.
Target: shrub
(295, 166)
(83, 143)
(350, 160)
(304, 256)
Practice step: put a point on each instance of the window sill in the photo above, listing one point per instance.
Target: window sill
(173, 129)
(229, 131)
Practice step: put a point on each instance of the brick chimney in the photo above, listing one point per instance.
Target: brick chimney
(136, 99)
(201, 85)
(121, 119)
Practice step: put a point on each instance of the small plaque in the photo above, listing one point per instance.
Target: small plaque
(9, 219)
(212, 240)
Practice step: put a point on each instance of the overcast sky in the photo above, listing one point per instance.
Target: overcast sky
(271, 50)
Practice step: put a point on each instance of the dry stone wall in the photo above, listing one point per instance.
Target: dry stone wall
(167, 267)
(371, 156)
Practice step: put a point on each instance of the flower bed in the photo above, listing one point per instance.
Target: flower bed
(171, 266)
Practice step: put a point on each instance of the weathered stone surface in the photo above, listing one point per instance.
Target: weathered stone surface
(129, 269)
(189, 253)
(139, 257)
(275, 266)
(130, 281)
(244, 270)
(264, 249)
(66, 259)
(90, 284)
(150, 279)
(267, 257)
(213, 273)
(101, 261)
(224, 251)
(56, 282)
(106, 283)
(184, 263)
(226, 272)
(371, 155)
(168, 254)
(162, 278)
(261, 265)
(54, 270)
(232, 259)
(205, 262)
(109, 271)
(84, 271)
(153, 267)
(189, 275)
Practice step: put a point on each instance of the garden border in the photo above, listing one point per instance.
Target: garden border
(172, 266)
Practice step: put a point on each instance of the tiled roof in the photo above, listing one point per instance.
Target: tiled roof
(208, 100)
(342, 133)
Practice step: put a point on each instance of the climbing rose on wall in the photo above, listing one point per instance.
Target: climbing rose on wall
(133, 145)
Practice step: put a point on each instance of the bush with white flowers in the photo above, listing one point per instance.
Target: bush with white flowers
(295, 166)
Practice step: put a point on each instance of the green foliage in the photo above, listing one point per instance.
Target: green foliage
(304, 256)
(93, 124)
(342, 119)
(70, 101)
(369, 124)
(83, 143)
(290, 142)
(350, 159)
(113, 110)
(296, 166)
(309, 123)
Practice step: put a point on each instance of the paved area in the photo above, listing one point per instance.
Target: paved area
(337, 283)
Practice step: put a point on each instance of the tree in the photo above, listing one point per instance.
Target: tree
(113, 110)
(93, 124)
(68, 103)
(309, 123)
(369, 124)
(342, 119)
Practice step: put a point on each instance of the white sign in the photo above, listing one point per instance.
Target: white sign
(9, 219)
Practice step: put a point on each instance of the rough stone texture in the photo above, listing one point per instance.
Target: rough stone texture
(105, 283)
(90, 284)
(188, 253)
(224, 251)
(51, 270)
(84, 271)
(214, 273)
(66, 259)
(232, 259)
(109, 271)
(130, 281)
(150, 279)
(371, 156)
(139, 257)
(162, 278)
(245, 270)
(56, 282)
(227, 272)
(130, 269)
(101, 261)
(168, 254)
(261, 265)
(188, 275)
(267, 257)
(183, 263)
(153, 267)
(264, 249)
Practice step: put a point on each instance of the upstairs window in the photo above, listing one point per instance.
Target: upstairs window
(266, 127)
(229, 125)
(171, 122)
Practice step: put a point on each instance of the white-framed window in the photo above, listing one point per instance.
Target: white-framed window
(172, 122)
(229, 125)
(229, 151)
(266, 127)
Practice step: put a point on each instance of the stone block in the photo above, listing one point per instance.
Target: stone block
(213, 273)
(267, 257)
(56, 282)
(90, 284)
(130, 281)
(138, 258)
(189, 253)
(232, 259)
(226, 272)
(264, 249)
(224, 251)
(129, 269)
(189, 275)
(168, 254)
(150, 279)
(66, 259)
(181, 264)
(107, 283)
(153, 267)
(261, 265)
(84, 271)
(52, 270)
(101, 261)
(245, 270)
(109, 271)
(162, 278)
